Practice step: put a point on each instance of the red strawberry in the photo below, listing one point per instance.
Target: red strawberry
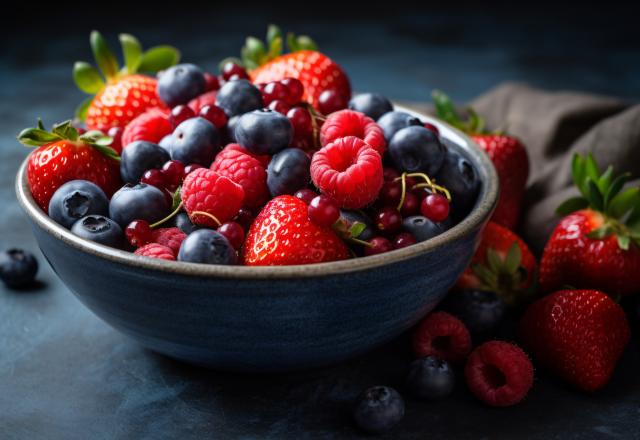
(598, 246)
(122, 94)
(155, 250)
(63, 155)
(577, 334)
(282, 234)
(209, 198)
(150, 126)
(502, 264)
(508, 154)
(315, 70)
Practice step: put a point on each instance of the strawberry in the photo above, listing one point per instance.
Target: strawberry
(597, 246)
(282, 234)
(507, 153)
(502, 264)
(123, 94)
(577, 334)
(63, 155)
(316, 71)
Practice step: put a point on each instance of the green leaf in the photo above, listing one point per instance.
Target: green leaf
(633, 222)
(304, 42)
(87, 78)
(446, 110)
(571, 205)
(615, 188)
(488, 278)
(254, 49)
(513, 258)
(131, 52)
(275, 48)
(82, 108)
(624, 202)
(100, 142)
(591, 168)
(579, 173)
(476, 123)
(105, 59)
(36, 137)
(623, 241)
(494, 260)
(65, 130)
(356, 229)
(601, 233)
(595, 197)
(41, 125)
(158, 58)
(273, 32)
(605, 180)
(292, 42)
(176, 199)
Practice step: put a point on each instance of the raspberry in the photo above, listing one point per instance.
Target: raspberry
(217, 196)
(155, 250)
(150, 126)
(348, 170)
(208, 98)
(351, 123)
(499, 373)
(235, 163)
(264, 159)
(444, 336)
(169, 237)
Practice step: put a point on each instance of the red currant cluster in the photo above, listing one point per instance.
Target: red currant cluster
(211, 113)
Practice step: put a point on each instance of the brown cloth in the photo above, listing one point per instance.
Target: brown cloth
(553, 126)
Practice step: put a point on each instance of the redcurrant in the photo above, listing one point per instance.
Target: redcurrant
(435, 207)
(138, 233)
(323, 211)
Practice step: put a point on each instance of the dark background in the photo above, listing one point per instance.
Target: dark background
(65, 375)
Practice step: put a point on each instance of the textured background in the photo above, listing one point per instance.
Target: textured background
(66, 375)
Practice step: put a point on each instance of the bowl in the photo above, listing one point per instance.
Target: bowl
(266, 319)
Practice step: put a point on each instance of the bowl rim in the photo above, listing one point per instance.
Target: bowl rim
(487, 199)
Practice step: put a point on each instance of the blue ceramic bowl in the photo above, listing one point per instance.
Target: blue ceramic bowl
(266, 318)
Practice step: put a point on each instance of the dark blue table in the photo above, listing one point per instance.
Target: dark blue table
(64, 374)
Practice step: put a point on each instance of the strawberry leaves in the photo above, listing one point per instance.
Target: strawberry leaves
(445, 110)
(255, 52)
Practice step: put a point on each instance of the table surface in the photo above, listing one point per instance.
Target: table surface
(64, 374)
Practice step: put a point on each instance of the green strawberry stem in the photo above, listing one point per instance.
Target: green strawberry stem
(605, 193)
(255, 52)
(446, 110)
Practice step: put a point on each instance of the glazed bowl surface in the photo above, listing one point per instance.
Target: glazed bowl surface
(261, 319)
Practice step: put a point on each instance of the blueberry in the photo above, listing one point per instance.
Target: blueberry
(18, 268)
(100, 229)
(422, 228)
(288, 171)
(138, 157)
(139, 202)
(207, 246)
(195, 140)
(357, 216)
(184, 223)
(417, 149)
(391, 122)
(378, 409)
(75, 199)
(181, 83)
(166, 142)
(238, 97)
(480, 310)
(263, 131)
(231, 128)
(459, 176)
(373, 105)
(430, 378)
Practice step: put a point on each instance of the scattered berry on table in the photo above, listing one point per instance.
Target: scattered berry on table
(195, 140)
(331, 100)
(378, 245)
(139, 202)
(208, 247)
(215, 115)
(180, 83)
(430, 378)
(394, 121)
(155, 250)
(323, 211)
(416, 149)
(403, 240)
(459, 176)
(138, 233)
(169, 237)
(151, 126)
(288, 172)
(351, 123)
(422, 228)
(140, 156)
(435, 207)
(263, 131)
(499, 373)
(481, 311)
(442, 335)
(238, 97)
(100, 229)
(76, 199)
(234, 233)
(373, 105)
(378, 409)
(179, 114)
(18, 268)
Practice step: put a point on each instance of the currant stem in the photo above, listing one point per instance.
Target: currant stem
(169, 217)
(206, 214)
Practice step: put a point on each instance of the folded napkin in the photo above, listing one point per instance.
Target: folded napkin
(553, 126)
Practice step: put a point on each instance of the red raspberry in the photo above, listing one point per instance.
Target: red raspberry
(352, 123)
(206, 191)
(208, 98)
(169, 237)
(264, 159)
(150, 126)
(234, 163)
(499, 373)
(444, 336)
(348, 170)
(155, 250)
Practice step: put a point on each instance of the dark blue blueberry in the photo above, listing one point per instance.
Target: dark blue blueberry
(75, 199)
(207, 246)
(231, 128)
(373, 105)
(480, 310)
(184, 223)
(358, 216)
(100, 229)
(140, 156)
(166, 142)
(378, 409)
(181, 83)
(391, 122)
(430, 378)
(288, 171)
(459, 176)
(263, 131)
(139, 202)
(18, 268)
(422, 228)
(417, 149)
(195, 140)
(238, 97)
